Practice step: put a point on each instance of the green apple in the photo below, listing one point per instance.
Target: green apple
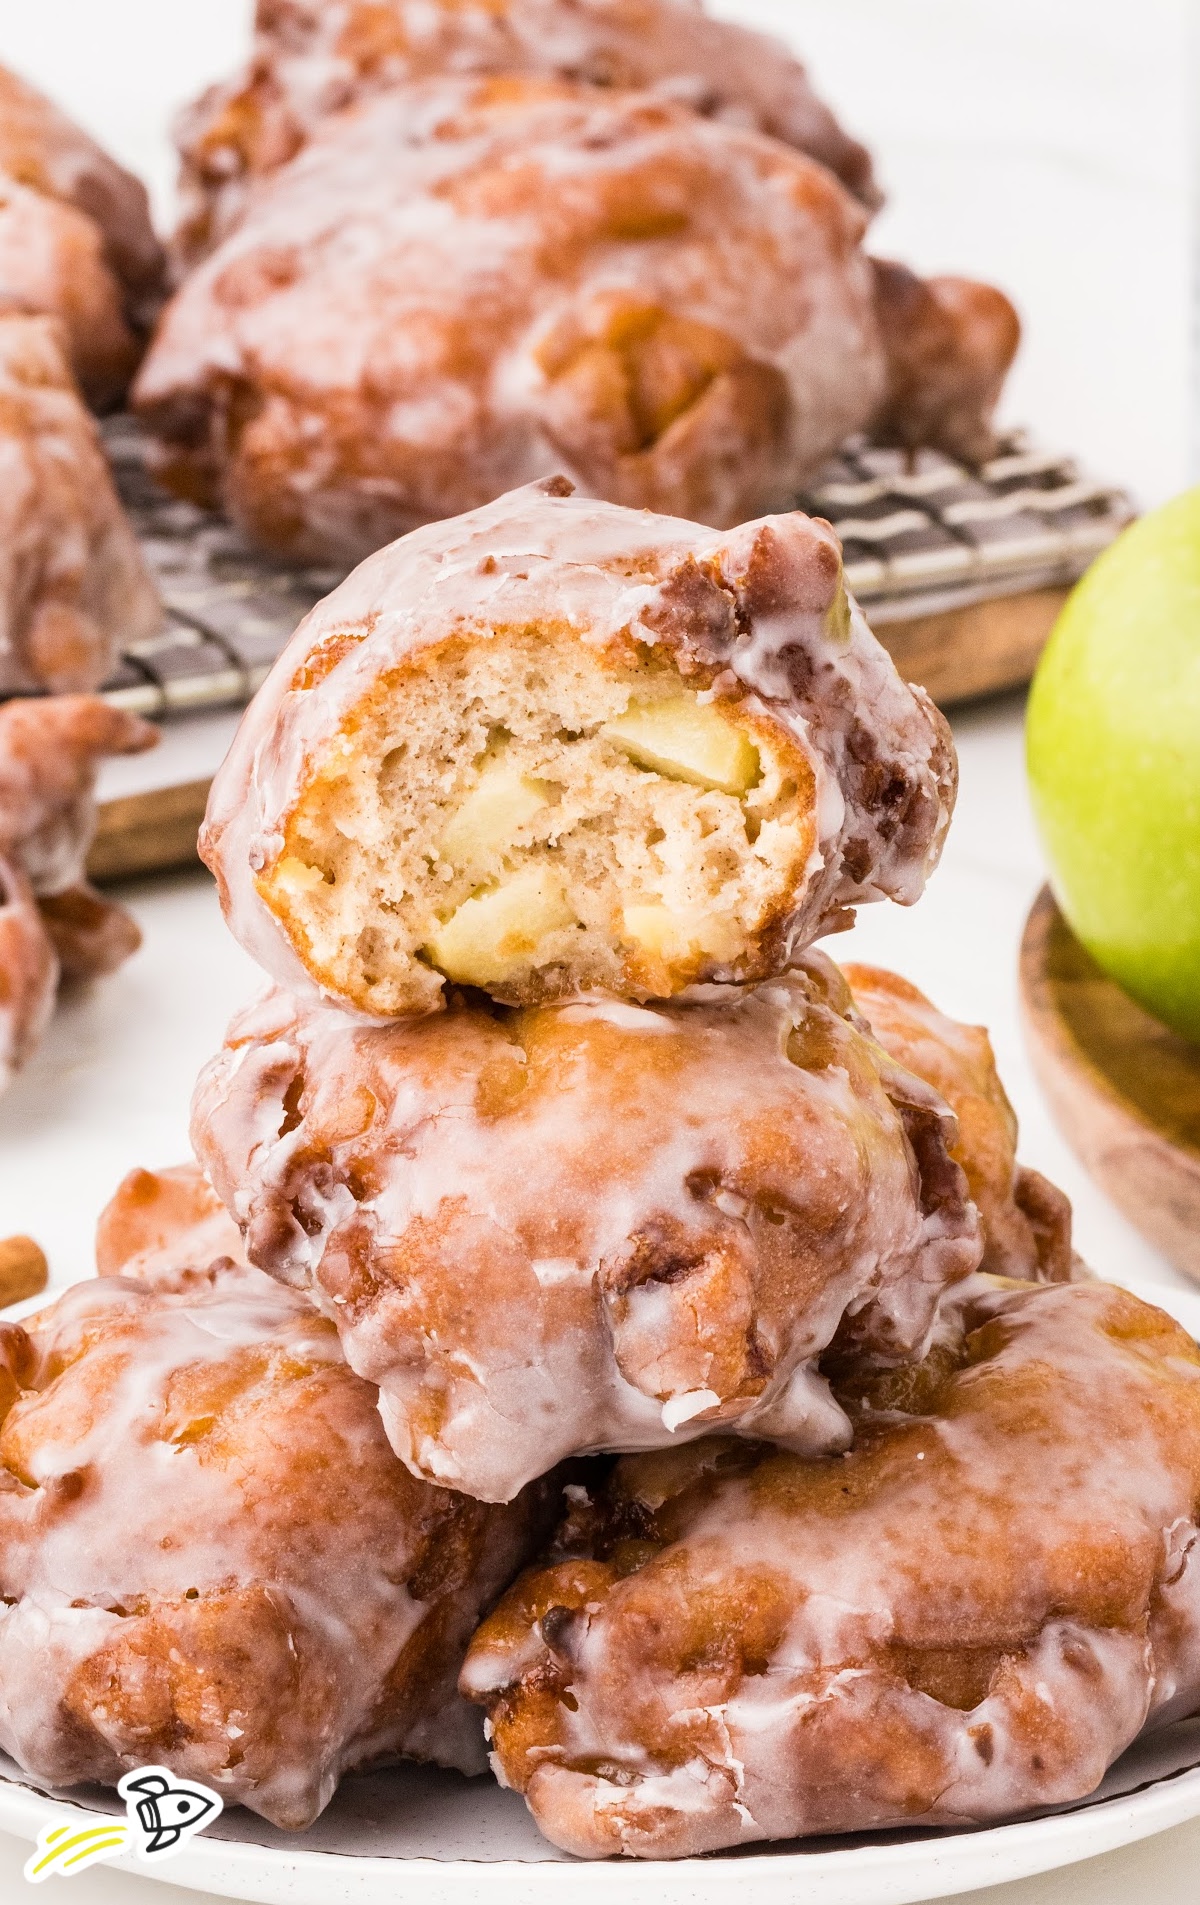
(1114, 761)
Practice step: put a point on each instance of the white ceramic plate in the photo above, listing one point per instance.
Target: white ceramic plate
(414, 1831)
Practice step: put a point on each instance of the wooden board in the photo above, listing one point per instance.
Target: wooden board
(1124, 1090)
(148, 833)
(960, 654)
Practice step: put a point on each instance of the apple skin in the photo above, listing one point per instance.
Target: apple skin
(1113, 748)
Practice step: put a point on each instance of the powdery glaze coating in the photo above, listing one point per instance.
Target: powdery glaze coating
(76, 240)
(465, 285)
(591, 1225)
(165, 1224)
(211, 1559)
(758, 618)
(74, 586)
(51, 921)
(312, 57)
(1026, 1219)
(971, 1613)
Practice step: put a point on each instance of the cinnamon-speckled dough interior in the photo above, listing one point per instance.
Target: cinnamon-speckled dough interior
(527, 814)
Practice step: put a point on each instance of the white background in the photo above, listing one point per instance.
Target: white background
(1040, 143)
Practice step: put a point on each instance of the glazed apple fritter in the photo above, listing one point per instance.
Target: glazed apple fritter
(1026, 1219)
(971, 1612)
(74, 585)
(464, 285)
(76, 241)
(313, 57)
(53, 922)
(591, 1225)
(558, 746)
(211, 1560)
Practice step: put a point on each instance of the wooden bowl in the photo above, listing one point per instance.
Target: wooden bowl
(1124, 1090)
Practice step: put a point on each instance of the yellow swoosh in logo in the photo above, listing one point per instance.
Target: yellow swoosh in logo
(62, 1849)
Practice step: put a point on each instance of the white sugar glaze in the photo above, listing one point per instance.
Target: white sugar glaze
(313, 57)
(772, 612)
(405, 299)
(551, 1231)
(1038, 1515)
(191, 1478)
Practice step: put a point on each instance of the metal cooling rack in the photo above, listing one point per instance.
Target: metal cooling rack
(230, 609)
(921, 534)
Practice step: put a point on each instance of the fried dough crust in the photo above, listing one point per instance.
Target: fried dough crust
(1026, 1219)
(314, 57)
(970, 1613)
(211, 1558)
(556, 745)
(592, 1225)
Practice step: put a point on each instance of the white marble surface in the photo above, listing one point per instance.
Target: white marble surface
(1041, 142)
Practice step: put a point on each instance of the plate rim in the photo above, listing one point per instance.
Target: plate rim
(969, 1859)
